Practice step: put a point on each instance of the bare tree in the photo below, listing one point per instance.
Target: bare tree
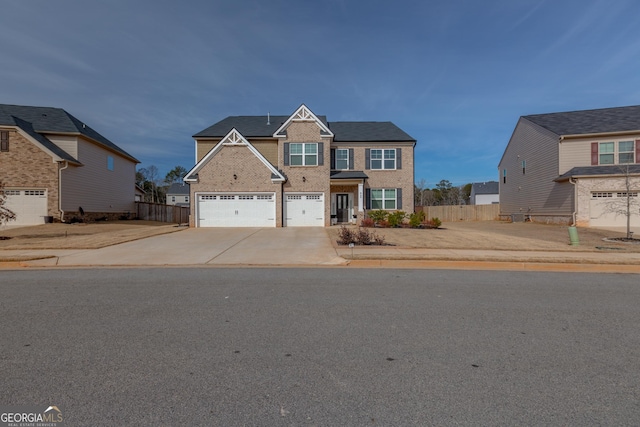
(5, 213)
(628, 201)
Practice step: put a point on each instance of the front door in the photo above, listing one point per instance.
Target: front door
(342, 208)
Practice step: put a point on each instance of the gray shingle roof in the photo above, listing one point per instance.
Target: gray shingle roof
(256, 126)
(54, 120)
(602, 120)
(599, 170)
(178, 188)
(368, 131)
(248, 126)
(491, 187)
(348, 175)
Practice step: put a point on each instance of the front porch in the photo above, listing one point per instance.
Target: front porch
(347, 197)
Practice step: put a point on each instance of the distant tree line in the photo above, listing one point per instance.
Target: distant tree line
(443, 194)
(156, 187)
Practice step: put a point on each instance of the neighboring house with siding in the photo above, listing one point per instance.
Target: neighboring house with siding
(298, 170)
(571, 167)
(485, 193)
(178, 194)
(54, 166)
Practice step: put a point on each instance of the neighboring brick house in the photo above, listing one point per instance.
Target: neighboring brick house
(55, 167)
(572, 167)
(298, 170)
(178, 194)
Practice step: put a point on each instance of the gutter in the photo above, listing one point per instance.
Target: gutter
(575, 200)
(66, 165)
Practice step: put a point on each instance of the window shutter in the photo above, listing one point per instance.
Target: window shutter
(320, 153)
(637, 150)
(367, 158)
(367, 198)
(399, 198)
(351, 157)
(4, 140)
(398, 158)
(594, 153)
(286, 154)
(333, 159)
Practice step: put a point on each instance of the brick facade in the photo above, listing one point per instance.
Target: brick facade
(26, 166)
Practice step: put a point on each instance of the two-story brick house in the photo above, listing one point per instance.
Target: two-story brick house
(56, 167)
(298, 170)
(572, 167)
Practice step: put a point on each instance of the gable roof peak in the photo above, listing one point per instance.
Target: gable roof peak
(302, 114)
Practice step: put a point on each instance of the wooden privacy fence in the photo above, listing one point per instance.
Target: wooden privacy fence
(163, 213)
(462, 212)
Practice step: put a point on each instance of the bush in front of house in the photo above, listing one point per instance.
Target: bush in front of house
(359, 236)
(396, 218)
(416, 219)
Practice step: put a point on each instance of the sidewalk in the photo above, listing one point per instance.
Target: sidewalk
(129, 255)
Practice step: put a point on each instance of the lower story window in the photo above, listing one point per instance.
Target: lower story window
(383, 198)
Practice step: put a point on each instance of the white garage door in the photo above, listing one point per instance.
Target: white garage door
(304, 210)
(237, 210)
(30, 206)
(606, 209)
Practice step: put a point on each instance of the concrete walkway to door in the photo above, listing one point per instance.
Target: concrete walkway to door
(214, 246)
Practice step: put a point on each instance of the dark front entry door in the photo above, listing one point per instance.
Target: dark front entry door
(342, 201)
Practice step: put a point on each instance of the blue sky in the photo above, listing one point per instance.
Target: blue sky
(454, 74)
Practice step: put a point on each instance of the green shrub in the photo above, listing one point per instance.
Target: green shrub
(416, 219)
(435, 223)
(396, 218)
(378, 215)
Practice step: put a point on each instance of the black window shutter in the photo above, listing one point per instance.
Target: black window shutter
(367, 158)
(333, 158)
(398, 158)
(351, 158)
(367, 197)
(399, 198)
(4, 143)
(286, 154)
(320, 153)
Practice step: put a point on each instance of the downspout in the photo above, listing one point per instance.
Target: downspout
(66, 165)
(575, 200)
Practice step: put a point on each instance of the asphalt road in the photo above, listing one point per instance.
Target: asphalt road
(326, 347)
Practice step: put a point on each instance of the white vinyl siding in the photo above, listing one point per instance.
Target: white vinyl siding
(93, 187)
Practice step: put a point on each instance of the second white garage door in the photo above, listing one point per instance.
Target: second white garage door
(607, 209)
(304, 210)
(236, 210)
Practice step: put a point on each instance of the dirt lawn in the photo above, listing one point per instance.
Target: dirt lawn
(500, 235)
(81, 236)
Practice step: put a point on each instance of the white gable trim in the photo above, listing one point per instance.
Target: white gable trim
(302, 114)
(233, 138)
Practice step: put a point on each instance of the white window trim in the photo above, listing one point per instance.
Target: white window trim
(382, 160)
(385, 199)
(347, 159)
(303, 154)
(616, 152)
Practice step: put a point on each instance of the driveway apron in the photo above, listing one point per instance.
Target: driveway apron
(219, 246)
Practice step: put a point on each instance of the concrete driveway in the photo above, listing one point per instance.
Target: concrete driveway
(219, 246)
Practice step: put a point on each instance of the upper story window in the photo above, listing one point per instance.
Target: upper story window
(4, 140)
(613, 153)
(303, 154)
(383, 159)
(342, 159)
(110, 163)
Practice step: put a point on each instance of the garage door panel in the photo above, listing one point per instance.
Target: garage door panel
(304, 210)
(608, 209)
(236, 210)
(30, 206)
